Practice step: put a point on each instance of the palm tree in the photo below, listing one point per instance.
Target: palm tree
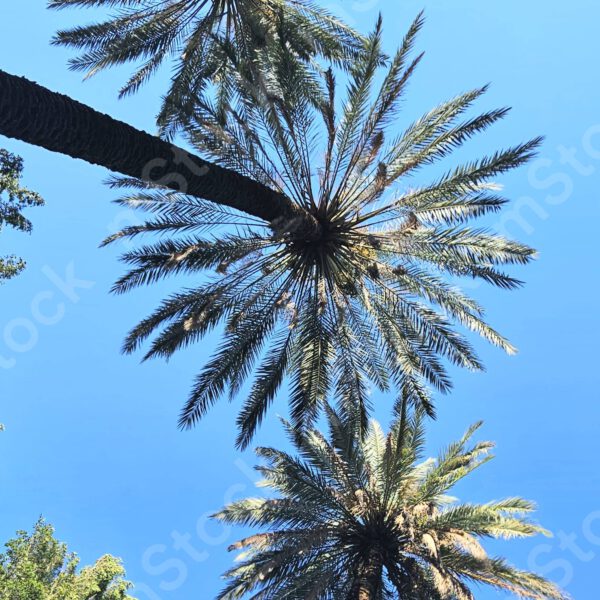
(363, 298)
(367, 519)
(199, 37)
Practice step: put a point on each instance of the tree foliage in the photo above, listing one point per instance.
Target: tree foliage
(36, 566)
(199, 37)
(351, 518)
(13, 199)
(369, 296)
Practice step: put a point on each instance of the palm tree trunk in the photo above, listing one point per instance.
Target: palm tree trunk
(367, 583)
(34, 114)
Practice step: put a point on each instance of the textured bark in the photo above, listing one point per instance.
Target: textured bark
(34, 114)
(367, 581)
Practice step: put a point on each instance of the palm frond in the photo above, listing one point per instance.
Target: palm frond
(197, 37)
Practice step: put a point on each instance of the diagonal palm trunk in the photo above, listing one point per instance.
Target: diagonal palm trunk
(34, 114)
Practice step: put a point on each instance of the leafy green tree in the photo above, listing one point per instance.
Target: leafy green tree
(200, 37)
(35, 566)
(358, 294)
(369, 519)
(13, 199)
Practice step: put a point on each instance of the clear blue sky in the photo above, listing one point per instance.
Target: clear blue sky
(91, 440)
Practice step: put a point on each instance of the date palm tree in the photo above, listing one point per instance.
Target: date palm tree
(362, 295)
(198, 36)
(369, 519)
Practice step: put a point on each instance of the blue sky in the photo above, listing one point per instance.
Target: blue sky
(91, 440)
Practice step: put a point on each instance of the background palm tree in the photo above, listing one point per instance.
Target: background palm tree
(369, 519)
(200, 37)
(364, 297)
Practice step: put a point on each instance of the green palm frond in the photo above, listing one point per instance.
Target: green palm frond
(358, 517)
(367, 298)
(199, 37)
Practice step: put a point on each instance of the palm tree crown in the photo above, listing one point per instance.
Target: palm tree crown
(200, 36)
(358, 294)
(369, 519)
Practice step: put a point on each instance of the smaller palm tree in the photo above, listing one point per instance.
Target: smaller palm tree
(369, 519)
